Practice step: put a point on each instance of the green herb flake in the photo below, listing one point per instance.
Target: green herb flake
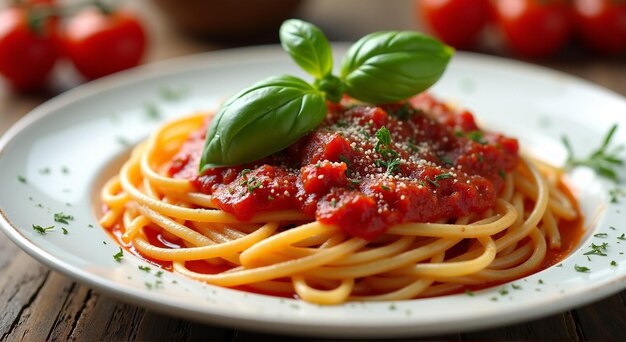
(597, 249)
(22, 179)
(392, 307)
(613, 263)
(384, 187)
(601, 235)
(119, 255)
(44, 171)
(477, 136)
(152, 111)
(615, 194)
(65, 170)
(42, 230)
(169, 93)
(64, 231)
(144, 268)
(582, 269)
(540, 281)
(503, 292)
(501, 173)
(158, 274)
(63, 218)
(622, 237)
(469, 293)
(516, 287)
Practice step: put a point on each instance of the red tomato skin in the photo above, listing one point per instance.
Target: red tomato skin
(535, 28)
(456, 22)
(26, 57)
(601, 24)
(100, 44)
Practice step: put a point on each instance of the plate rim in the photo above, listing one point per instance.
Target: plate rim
(149, 300)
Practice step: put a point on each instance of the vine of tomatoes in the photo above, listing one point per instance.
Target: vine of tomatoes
(529, 28)
(98, 40)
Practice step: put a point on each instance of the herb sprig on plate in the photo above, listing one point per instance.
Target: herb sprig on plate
(604, 160)
(272, 114)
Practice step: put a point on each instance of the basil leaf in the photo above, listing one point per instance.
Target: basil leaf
(307, 46)
(391, 66)
(262, 119)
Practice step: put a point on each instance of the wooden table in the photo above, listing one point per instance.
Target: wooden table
(39, 304)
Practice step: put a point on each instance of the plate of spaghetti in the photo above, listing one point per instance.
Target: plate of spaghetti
(408, 190)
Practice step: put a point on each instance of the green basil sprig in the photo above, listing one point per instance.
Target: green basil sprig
(270, 115)
(261, 120)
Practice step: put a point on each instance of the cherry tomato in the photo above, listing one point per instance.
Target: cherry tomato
(28, 48)
(534, 28)
(100, 43)
(456, 22)
(602, 24)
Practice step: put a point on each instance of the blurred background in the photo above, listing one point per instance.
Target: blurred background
(49, 46)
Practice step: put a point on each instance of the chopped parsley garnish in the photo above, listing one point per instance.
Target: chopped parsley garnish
(122, 141)
(392, 307)
(501, 173)
(172, 94)
(477, 136)
(65, 170)
(403, 112)
(333, 203)
(347, 162)
(45, 171)
(63, 218)
(516, 287)
(597, 249)
(252, 185)
(601, 235)
(613, 263)
(439, 177)
(21, 179)
(469, 293)
(42, 230)
(622, 237)
(144, 268)
(540, 281)
(159, 274)
(581, 269)
(615, 194)
(152, 111)
(64, 231)
(384, 187)
(446, 160)
(503, 292)
(602, 160)
(119, 255)
(390, 157)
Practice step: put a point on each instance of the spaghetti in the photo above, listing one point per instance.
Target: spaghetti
(163, 216)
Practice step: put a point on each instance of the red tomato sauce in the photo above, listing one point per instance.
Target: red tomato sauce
(435, 164)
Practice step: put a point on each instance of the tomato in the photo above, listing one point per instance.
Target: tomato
(456, 22)
(534, 28)
(602, 24)
(101, 43)
(27, 52)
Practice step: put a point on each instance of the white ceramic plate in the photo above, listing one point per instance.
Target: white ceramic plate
(55, 159)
